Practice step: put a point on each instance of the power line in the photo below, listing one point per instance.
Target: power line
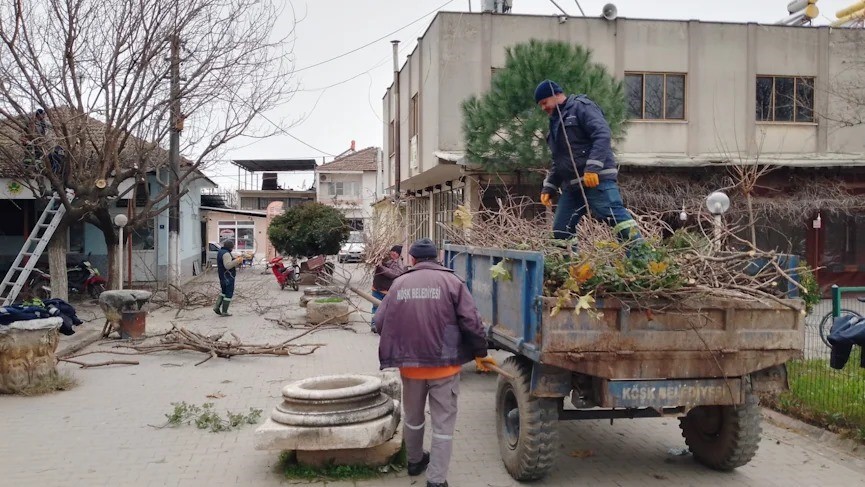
(376, 40)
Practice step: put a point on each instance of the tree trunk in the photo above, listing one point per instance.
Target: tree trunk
(58, 247)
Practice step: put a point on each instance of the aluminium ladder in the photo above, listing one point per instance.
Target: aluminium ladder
(24, 263)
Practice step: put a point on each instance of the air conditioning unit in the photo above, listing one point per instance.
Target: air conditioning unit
(322, 177)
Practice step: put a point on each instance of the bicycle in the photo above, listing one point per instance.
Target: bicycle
(828, 320)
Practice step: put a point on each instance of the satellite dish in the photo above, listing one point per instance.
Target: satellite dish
(610, 12)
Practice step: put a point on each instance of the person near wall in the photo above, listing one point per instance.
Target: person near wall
(385, 272)
(226, 265)
(429, 327)
(583, 165)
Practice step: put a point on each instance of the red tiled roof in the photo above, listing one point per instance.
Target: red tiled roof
(362, 160)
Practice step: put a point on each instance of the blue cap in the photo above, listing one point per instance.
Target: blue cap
(546, 89)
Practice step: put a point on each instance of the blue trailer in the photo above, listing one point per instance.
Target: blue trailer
(702, 360)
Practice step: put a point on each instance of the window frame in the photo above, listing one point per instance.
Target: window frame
(772, 106)
(413, 116)
(664, 118)
(236, 226)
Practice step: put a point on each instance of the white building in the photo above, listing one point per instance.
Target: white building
(350, 183)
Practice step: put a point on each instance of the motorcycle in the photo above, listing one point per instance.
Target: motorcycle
(285, 276)
(38, 286)
(81, 278)
(84, 278)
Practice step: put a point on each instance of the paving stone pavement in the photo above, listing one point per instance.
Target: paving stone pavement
(100, 432)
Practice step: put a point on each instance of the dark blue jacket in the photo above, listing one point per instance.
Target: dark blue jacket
(582, 124)
(220, 266)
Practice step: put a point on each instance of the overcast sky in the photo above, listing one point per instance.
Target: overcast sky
(340, 100)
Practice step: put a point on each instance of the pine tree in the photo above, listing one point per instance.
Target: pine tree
(505, 130)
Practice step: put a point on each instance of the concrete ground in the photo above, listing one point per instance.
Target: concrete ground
(102, 431)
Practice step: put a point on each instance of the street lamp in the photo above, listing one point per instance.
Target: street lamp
(718, 203)
(121, 221)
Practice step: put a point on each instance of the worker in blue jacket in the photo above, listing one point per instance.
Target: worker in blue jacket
(226, 265)
(583, 163)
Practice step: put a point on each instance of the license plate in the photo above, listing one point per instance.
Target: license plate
(673, 393)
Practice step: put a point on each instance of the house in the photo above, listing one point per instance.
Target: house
(247, 228)
(349, 183)
(145, 256)
(703, 97)
(259, 182)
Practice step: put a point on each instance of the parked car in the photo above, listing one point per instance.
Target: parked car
(353, 249)
(212, 251)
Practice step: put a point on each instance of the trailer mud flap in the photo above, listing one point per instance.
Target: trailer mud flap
(670, 393)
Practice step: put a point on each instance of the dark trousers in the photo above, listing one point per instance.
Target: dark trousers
(226, 285)
(604, 200)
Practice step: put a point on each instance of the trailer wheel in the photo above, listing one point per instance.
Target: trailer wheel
(526, 425)
(723, 437)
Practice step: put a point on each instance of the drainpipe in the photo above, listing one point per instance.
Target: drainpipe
(396, 118)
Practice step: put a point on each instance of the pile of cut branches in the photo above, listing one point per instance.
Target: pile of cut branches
(666, 264)
(179, 339)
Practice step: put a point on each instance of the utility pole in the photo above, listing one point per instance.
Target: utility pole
(174, 172)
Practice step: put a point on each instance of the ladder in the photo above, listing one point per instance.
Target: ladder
(24, 263)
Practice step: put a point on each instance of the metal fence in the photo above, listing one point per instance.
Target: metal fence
(819, 393)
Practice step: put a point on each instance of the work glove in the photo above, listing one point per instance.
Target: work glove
(590, 180)
(547, 199)
(483, 362)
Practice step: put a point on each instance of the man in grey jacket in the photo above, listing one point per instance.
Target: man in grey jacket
(429, 328)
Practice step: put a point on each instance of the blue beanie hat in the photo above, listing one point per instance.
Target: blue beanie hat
(423, 248)
(546, 89)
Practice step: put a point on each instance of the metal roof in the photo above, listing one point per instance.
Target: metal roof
(275, 165)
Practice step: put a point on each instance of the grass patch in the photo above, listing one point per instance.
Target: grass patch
(62, 381)
(332, 299)
(295, 471)
(825, 397)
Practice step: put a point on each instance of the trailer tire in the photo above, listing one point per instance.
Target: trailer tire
(723, 437)
(525, 425)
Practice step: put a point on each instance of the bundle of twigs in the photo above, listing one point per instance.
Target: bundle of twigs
(389, 230)
(686, 264)
(180, 339)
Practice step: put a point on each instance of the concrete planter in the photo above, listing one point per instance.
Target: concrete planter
(336, 313)
(27, 351)
(332, 413)
(316, 292)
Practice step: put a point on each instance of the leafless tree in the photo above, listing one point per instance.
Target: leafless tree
(100, 71)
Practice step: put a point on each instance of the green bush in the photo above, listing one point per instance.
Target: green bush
(309, 229)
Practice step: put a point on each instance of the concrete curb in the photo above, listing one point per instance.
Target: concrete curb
(89, 337)
(818, 434)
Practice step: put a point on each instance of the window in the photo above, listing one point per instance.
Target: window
(242, 232)
(444, 204)
(142, 236)
(76, 237)
(785, 99)
(413, 117)
(655, 96)
(340, 188)
(390, 138)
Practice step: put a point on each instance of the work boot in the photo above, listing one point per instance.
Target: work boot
(218, 304)
(415, 469)
(437, 484)
(225, 304)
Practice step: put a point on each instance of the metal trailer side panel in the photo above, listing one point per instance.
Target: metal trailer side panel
(510, 307)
